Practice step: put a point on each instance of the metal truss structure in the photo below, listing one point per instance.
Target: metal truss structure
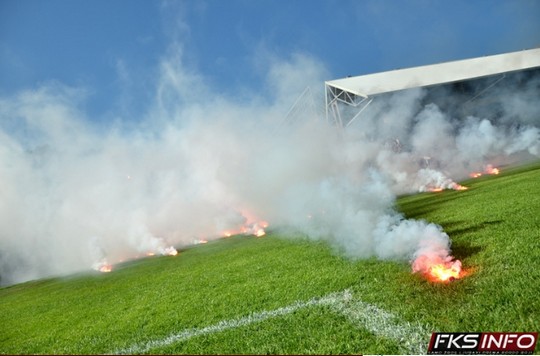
(347, 98)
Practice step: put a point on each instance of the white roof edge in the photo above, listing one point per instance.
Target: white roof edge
(432, 74)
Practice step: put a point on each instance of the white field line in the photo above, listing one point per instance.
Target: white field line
(330, 299)
(412, 338)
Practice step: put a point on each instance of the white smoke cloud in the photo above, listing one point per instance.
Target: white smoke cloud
(199, 163)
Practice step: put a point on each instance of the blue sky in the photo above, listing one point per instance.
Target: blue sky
(112, 49)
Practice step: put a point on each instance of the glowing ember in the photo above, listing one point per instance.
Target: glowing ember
(445, 273)
(170, 251)
(257, 229)
(491, 170)
(106, 268)
(103, 266)
(453, 186)
(436, 269)
(254, 228)
(430, 180)
(253, 225)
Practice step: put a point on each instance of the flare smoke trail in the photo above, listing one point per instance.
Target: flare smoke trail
(198, 163)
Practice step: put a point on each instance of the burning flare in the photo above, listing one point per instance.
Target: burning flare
(169, 251)
(489, 169)
(255, 229)
(106, 267)
(437, 269)
(252, 226)
(453, 186)
(430, 180)
(103, 266)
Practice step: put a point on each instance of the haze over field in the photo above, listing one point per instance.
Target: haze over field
(199, 164)
(128, 130)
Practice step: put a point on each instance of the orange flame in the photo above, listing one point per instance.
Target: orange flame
(170, 251)
(492, 170)
(106, 268)
(103, 266)
(489, 169)
(253, 228)
(439, 270)
(444, 273)
(454, 186)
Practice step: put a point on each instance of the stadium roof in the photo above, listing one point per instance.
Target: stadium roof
(448, 72)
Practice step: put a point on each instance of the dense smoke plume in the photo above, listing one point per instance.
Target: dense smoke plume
(198, 163)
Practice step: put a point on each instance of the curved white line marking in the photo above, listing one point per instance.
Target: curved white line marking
(412, 337)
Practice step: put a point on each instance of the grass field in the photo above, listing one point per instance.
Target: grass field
(279, 294)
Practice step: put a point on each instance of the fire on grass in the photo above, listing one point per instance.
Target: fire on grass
(437, 269)
(105, 267)
(454, 186)
(489, 169)
(253, 227)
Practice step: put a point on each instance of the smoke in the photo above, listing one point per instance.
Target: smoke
(74, 193)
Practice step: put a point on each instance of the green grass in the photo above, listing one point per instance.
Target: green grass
(495, 231)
